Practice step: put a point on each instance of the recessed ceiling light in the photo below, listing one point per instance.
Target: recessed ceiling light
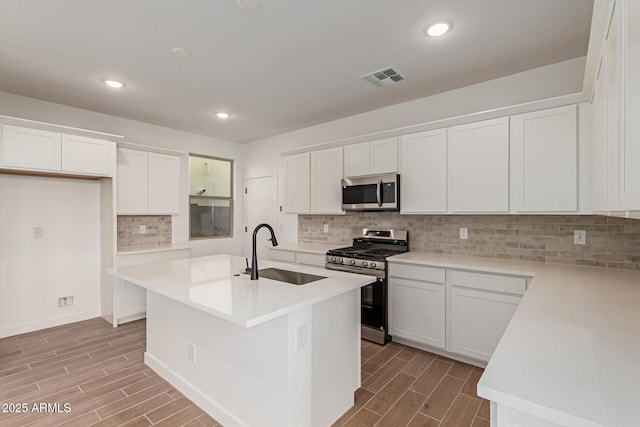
(222, 115)
(180, 52)
(437, 28)
(114, 84)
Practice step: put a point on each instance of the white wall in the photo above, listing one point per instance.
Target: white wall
(145, 134)
(35, 272)
(263, 157)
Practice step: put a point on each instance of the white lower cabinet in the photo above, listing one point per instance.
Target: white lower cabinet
(129, 299)
(478, 320)
(460, 311)
(297, 257)
(417, 311)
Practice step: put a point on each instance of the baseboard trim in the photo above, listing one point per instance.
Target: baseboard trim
(23, 328)
(193, 393)
(440, 352)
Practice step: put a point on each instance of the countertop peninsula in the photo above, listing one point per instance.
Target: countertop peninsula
(571, 353)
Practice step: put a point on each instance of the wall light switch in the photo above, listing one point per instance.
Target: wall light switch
(464, 233)
(142, 229)
(579, 237)
(38, 232)
(301, 336)
(325, 228)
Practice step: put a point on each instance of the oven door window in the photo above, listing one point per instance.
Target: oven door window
(372, 302)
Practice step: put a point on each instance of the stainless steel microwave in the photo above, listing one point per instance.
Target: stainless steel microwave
(371, 193)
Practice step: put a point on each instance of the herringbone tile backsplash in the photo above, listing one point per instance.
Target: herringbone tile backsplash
(611, 242)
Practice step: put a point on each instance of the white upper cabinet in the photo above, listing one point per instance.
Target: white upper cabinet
(43, 151)
(133, 181)
(630, 184)
(478, 166)
(26, 148)
(164, 183)
(326, 173)
(615, 143)
(87, 155)
(600, 177)
(148, 183)
(423, 170)
(374, 157)
(297, 182)
(544, 158)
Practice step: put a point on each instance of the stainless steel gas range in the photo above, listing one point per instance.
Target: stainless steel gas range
(368, 255)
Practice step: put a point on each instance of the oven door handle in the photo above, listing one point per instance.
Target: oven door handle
(378, 192)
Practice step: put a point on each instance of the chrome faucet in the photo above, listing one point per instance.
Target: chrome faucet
(254, 259)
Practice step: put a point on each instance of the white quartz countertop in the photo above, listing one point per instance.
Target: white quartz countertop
(571, 354)
(310, 249)
(134, 251)
(214, 284)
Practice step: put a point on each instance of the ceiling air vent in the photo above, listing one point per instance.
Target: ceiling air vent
(385, 77)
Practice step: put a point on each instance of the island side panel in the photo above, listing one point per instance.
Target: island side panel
(336, 357)
(240, 375)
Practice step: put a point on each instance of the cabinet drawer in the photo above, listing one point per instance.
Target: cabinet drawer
(489, 282)
(417, 272)
(310, 259)
(286, 256)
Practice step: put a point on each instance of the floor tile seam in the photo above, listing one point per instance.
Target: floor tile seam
(110, 382)
(382, 366)
(25, 378)
(124, 409)
(170, 415)
(396, 401)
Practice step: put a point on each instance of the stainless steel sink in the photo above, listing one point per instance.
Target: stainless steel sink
(287, 276)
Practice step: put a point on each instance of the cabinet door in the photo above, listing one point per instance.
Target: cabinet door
(417, 311)
(133, 182)
(544, 159)
(164, 184)
(423, 166)
(297, 183)
(630, 185)
(612, 100)
(478, 166)
(357, 159)
(326, 173)
(599, 177)
(384, 156)
(133, 300)
(87, 155)
(478, 321)
(30, 148)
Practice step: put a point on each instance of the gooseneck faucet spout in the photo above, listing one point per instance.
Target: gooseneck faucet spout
(254, 259)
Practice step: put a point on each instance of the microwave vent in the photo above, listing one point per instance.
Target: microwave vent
(385, 77)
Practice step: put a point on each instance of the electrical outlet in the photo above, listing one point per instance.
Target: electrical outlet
(464, 233)
(38, 232)
(142, 229)
(579, 237)
(65, 301)
(325, 228)
(301, 336)
(192, 352)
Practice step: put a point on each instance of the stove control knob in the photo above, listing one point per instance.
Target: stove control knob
(333, 259)
(340, 261)
(364, 263)
(372, 265)
(352, 262)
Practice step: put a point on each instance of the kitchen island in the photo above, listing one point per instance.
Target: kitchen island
(252, 353)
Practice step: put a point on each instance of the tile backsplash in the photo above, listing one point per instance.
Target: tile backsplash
(611, 242)
(158, 231)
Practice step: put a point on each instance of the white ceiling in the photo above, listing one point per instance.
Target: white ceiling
(288, 64)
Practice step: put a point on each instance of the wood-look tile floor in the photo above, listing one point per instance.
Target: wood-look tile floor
(99, 372)
(403, 386)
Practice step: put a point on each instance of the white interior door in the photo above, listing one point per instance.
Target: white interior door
(260, 206)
